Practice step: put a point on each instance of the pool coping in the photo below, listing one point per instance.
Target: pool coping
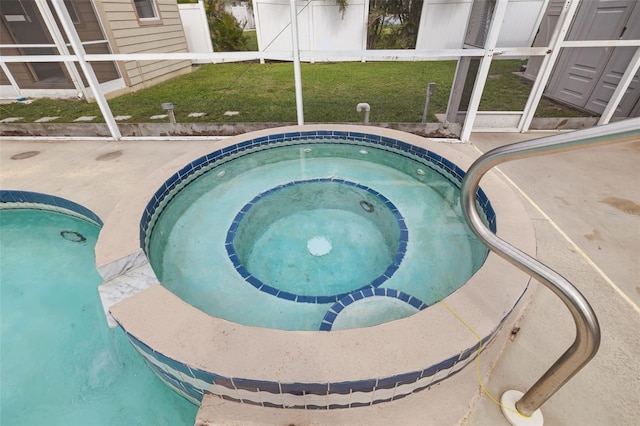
(157, 319)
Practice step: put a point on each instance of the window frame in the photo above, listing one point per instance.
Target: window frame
(156, 19)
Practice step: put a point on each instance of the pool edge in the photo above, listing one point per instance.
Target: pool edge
(490, 315)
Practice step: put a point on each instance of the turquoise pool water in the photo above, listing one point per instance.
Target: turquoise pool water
(301, 246)
(60, 364)
(293, 237)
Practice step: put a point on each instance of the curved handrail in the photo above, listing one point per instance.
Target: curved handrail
(587, 338)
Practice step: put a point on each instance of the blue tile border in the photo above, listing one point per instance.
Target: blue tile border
(194, 383)
(16, 199)
(186, 175)
(251, 390)
(299, 298)
(335, 310)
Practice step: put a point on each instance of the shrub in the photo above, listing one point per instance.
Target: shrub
(227, 34)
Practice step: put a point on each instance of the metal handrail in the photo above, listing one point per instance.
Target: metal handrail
(587, 338)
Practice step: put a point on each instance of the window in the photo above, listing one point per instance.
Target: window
(146, 9)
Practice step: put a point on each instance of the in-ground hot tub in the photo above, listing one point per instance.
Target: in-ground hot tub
(306, 222)
(375, 217)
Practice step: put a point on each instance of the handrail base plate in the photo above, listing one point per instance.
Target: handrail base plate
(508, 405)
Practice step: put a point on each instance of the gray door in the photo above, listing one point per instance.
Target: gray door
(579, 70)
(543, 37)
(615, 68)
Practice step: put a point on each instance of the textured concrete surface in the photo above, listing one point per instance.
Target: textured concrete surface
(591, 197)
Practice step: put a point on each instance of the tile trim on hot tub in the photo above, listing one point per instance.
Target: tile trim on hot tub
(403, 240)
(335, 310)
(193, 383)
(189, 172)
(339, 394)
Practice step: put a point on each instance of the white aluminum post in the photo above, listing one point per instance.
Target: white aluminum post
(623, 85)
(256, 19)
(78, 49)
(58, 39)
(365, 28)
(12, 80)
(296, 62)
(483, 69)
(559, 33)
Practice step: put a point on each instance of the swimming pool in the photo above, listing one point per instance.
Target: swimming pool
(60, 364)
(200, 355)
(314, 224)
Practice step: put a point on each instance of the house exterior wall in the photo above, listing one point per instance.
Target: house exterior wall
(116, 24)
(127, 34)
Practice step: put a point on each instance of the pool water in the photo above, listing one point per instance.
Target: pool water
(293, 237)
(60, 363)
(300, 253)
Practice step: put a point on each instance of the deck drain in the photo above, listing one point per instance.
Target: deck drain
(109, 156)
(26, 154)
(73, 236)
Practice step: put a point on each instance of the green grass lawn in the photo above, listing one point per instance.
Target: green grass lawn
(331, 91)
(252, 40)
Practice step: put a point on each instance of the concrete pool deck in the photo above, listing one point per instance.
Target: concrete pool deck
(588, 228)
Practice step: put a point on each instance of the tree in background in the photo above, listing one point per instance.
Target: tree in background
(227, 34)
(393, 24)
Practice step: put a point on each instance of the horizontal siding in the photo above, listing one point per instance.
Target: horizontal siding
(153, 66)
(123, 25)
(148, 29)
(169, 13)
(150, 42)
(122, 16)
(117, 6)
(158, 74)
(152, 49)
(149, 69)
(154, 73)
(130, 36)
